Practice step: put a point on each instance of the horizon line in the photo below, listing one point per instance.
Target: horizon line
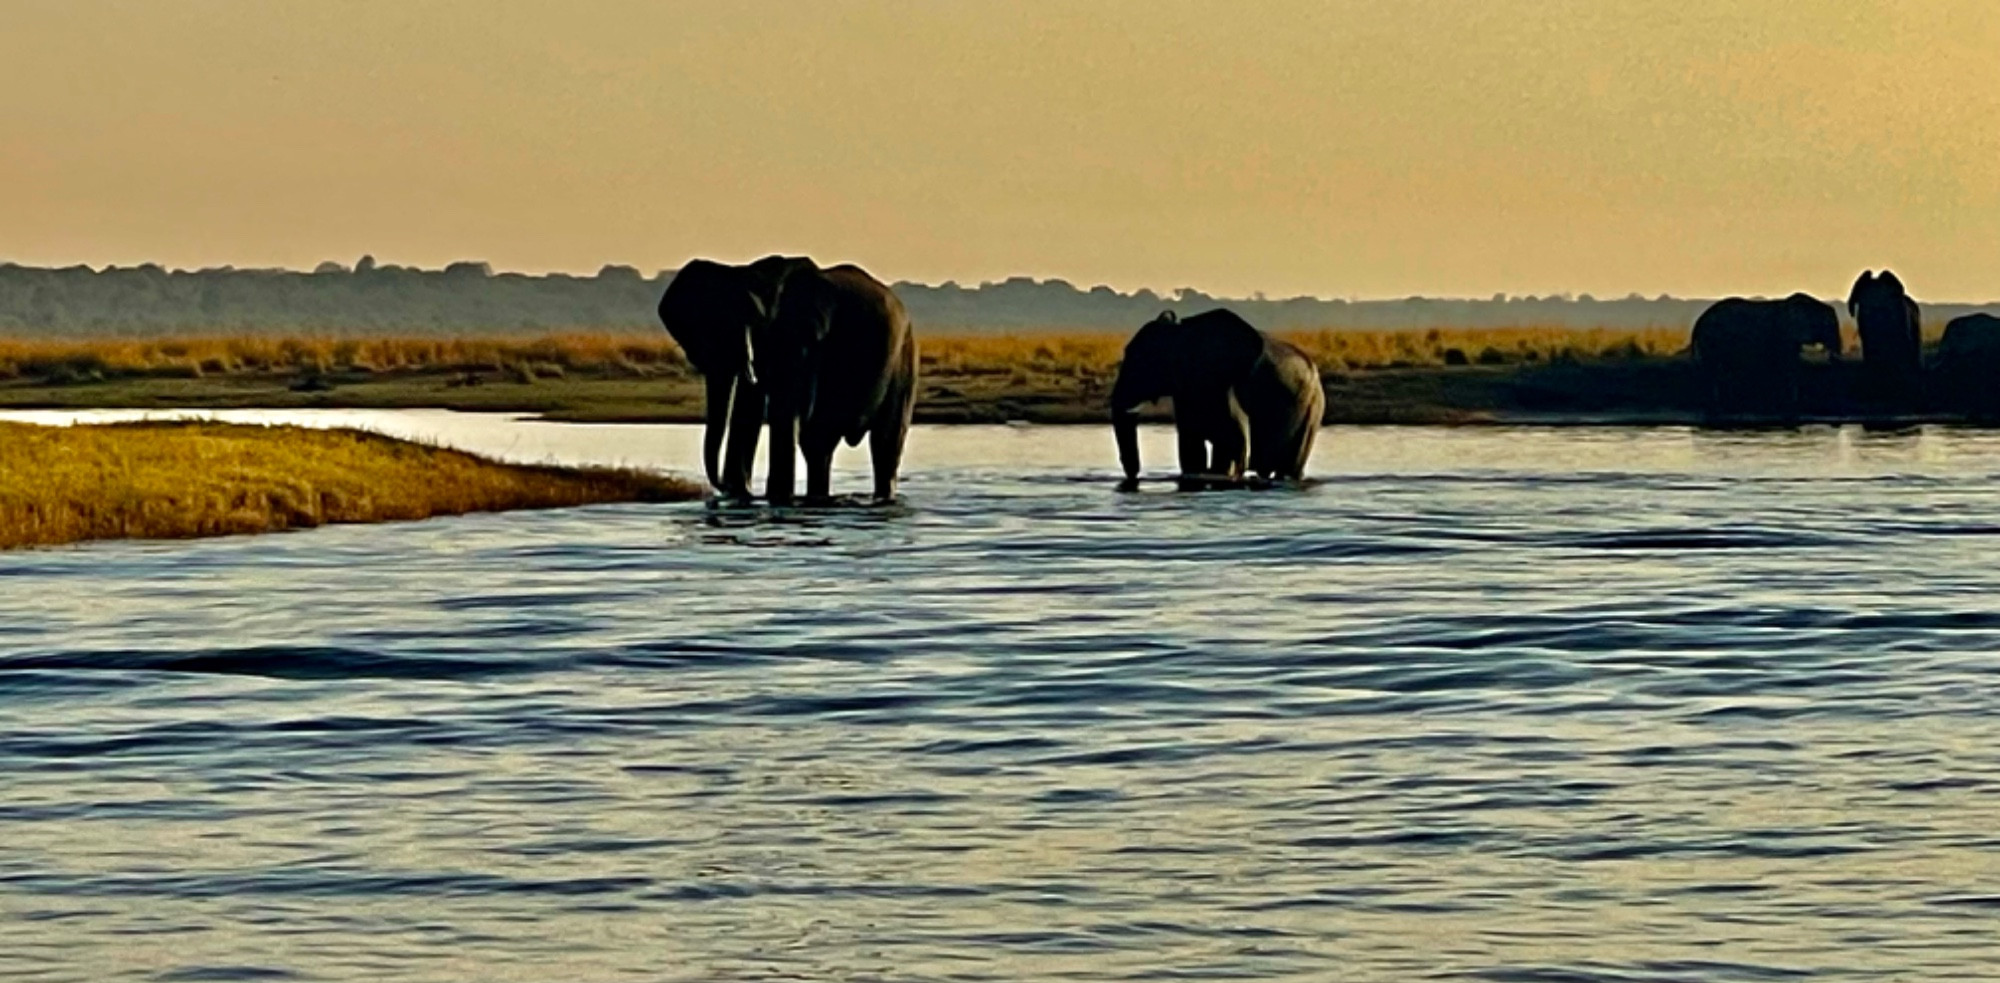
(1167, 295)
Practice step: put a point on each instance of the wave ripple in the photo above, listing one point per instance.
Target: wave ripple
(1522, 706)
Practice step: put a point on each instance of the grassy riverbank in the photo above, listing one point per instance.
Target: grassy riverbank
(180, 480)
(1440, 376)
(1046, 377)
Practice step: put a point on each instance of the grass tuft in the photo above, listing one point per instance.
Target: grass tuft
(184, 479)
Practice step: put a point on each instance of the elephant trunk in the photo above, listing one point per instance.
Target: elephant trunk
(784, 455)
(1125, 423)
(721, 391)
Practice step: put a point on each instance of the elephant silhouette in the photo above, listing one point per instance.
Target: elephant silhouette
(1967, 369)
(710, 309)
(1891, 328)
(1244, 403)
(1748, 351)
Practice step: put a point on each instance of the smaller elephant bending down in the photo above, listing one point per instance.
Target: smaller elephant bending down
(1748, 350)
(1244, 403)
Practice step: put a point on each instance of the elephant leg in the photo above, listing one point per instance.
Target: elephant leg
(784, 460)
(1294, 463)
(1194, 451)
(886, 437)
(817, 443)
(885, 453)
(819, 472)
(1315, 415)
(1232, 454)
(1307, 438)
(1232, 444)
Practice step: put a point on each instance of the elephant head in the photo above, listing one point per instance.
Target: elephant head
(1874, 292)
(785, 347)
(1152, 368)
(712, 310)
(1814, 322)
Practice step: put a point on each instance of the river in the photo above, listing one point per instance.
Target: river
(1486, 704)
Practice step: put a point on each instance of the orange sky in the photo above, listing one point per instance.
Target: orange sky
(1443, 147)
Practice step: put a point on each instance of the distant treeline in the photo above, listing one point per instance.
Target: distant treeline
(469, 298)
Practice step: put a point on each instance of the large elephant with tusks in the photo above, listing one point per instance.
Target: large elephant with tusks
(1891, 328)
(711, 309)
(836, 360)
(1244, 402)
(1748, 351)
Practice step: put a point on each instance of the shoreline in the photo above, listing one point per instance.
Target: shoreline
(1637, 393)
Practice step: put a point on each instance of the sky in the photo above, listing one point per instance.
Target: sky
(1323, 147)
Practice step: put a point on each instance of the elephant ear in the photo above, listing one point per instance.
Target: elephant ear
(1888, 283)
(1854, 296)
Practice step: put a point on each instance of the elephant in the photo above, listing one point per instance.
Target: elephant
(1244, 402)
(837, 360)
(1748, 350)
(1968, 365)
(1891, 327)
(710, 309)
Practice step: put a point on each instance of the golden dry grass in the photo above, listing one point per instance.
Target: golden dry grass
(179, 480)
(1053, 351)
(1333, 349)
(194, 357)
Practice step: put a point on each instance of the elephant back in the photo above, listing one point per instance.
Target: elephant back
(1968, 365)
(1222, 340)
(866, 352)
(1973, 337)
(1736, 329)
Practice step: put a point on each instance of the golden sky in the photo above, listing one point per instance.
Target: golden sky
(1366, 149)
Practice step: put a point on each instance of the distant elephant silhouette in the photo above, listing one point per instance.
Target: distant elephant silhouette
(1243, 402)
(710, 309)
(1968, 365)
(1891, 327)
(837, 360)
(1748, 350)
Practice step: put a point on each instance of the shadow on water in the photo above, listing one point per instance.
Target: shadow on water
(755, 523)
(1202, 484)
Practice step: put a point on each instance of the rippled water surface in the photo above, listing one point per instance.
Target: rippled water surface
(1479, 704)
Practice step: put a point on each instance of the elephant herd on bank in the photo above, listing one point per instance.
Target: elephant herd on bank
(818, 355)
(1751, 353)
